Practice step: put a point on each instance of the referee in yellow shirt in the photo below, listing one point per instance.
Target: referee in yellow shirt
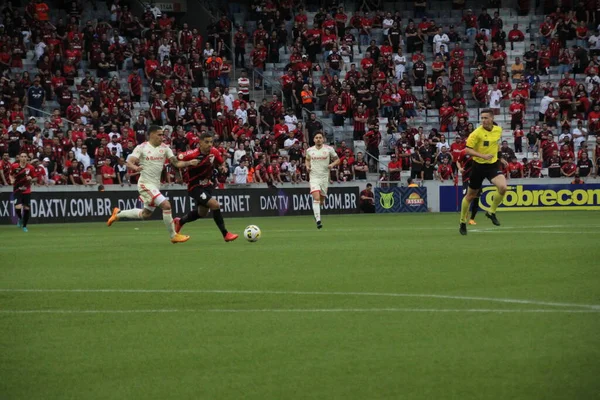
(482, 145)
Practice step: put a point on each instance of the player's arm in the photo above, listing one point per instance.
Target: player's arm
(132, 163)
(4, 182)
(335, 160)
(182, 164)
(257, 177)
(307, 162)
(459, 166)
(11, 176)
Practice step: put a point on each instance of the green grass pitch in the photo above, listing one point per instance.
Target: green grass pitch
(371, 307)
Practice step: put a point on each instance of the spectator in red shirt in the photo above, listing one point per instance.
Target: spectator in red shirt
(394, 169)
(569, 168)
(444, 171)
(515, 35)
(535, 167)
(581, 35)
(151, 65)
(470, 21)
(367, 200)
(108, 173)
(446, 117)
(515, 168)
(367, 63)
(372, 139)
(544, 60)
(455, 149)
(480, 90)
(517, 112)
(548, 149)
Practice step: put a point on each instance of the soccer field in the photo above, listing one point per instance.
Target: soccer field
(372, 307)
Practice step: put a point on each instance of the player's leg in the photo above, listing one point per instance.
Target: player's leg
(315, 191)
(474, 186)
(323, 196)
(165, 206)
(500, 182)
(215, 209)
(475, 208)
(473, 204)
(147, 197)
(26, 211)
(193, 215)
(18, 209)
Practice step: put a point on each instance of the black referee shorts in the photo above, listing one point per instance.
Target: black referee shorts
(23, 199)
(466, 188)
(480, 172)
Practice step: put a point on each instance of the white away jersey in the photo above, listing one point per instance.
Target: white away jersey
(320, 160)
(152, 160)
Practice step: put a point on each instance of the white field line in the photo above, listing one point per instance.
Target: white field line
(306, 310)
(382, 228)
(491, 230)
(302, 293)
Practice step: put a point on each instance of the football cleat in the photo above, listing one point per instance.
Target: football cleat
(230, 237)
(113, 218)
(25, 229)
(180, 238)
(493, 218)
(319, 225)
(463, 228)
(19, 223)
(472, 222)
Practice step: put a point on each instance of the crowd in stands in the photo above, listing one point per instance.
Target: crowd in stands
(175, 77)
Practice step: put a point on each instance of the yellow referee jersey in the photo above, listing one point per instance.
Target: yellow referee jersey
(485, 142)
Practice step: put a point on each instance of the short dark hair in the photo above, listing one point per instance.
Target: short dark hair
(369, 185)
(205, 135)
(319, 133)
(487, 111)
(153, 128)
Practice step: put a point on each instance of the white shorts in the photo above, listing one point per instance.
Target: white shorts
(150, 195)
(319, 185)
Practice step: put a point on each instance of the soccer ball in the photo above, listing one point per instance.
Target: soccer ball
(252, 233)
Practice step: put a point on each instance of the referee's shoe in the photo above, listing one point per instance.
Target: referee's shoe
(492, 217)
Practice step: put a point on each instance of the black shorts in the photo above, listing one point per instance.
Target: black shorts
(201, 195)
(466, 188)
(480, 172)
(23, 199)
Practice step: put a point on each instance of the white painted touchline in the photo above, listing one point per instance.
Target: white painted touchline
(304, 310)
(302, 293)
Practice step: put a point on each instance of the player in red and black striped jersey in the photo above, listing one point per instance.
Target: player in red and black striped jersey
(465, 166)
(21, 175)
(199, 179)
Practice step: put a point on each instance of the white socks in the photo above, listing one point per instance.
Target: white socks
(168, 220)
(317, 209)
(134, 213)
